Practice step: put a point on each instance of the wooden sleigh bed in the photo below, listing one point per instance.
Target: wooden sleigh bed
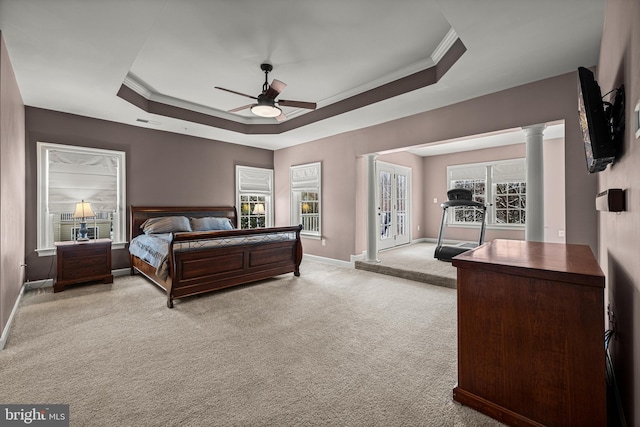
(205, 261)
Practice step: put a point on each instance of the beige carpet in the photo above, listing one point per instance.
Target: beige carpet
(413, 262)
(334, 347)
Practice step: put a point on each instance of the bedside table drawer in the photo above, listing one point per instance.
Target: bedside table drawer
(84, 250)
(83, 273)
(84, 267)
(84, 262)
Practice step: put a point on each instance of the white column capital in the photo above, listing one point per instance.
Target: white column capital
(534, 130)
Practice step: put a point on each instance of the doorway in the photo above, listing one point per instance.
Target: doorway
(394, 205)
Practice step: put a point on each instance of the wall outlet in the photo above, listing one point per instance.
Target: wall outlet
(435, 200)
(418, 228)
(324, 242)
(560, 233)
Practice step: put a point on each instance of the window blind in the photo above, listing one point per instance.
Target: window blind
(509, 171)
(76, 176)
(254, 180)
(467, 172)
(305, 177)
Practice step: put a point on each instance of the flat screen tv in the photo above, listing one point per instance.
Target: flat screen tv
(599, 148)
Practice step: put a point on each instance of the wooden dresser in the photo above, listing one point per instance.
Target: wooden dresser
(531, 334)
(79, 262)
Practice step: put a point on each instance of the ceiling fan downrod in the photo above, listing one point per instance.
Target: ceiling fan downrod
(266, 67)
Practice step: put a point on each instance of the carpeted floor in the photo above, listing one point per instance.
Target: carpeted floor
(334, 347)
(413, 262)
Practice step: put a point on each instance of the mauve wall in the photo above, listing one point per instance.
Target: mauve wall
(338, 193)
(435, 185)
(417, 184)
(12, 188)
(620, 233)
(554, 191)
(344, 181)
(162, 168)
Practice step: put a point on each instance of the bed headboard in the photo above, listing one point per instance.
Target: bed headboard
(140, 214)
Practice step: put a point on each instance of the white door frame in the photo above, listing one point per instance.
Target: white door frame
(390, 232)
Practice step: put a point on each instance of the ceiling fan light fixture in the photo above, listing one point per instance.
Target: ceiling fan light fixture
(265, 110)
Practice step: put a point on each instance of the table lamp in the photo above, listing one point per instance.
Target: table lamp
(83, 210)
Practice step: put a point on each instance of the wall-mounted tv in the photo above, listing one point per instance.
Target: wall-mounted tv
(601, 127)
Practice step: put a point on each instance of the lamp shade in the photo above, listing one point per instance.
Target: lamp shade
(83, 210)
(258, 209)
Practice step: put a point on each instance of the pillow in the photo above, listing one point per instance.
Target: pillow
(166, 224)
(211, 223)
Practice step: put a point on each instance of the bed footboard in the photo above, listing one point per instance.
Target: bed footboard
(202, 262)
(205, 270)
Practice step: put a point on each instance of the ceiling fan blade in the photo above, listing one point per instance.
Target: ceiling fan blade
(298, 104)
(281, 117)
(237, 93)
(235, 110)
(275, 89)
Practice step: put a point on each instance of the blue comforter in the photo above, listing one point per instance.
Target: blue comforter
(153, 249)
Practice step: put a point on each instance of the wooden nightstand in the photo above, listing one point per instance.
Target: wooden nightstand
(83, 262)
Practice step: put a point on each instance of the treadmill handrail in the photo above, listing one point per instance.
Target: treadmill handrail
(458, 202)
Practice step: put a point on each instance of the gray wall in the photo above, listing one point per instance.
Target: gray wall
(343, 180)
(12, 188)
(162, 169)
(620, 233)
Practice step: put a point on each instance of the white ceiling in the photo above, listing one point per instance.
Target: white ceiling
(73, 56)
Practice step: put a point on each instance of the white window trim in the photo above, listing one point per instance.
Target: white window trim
(490, 214)
(318, 189)
(45, 246)
(268, 174)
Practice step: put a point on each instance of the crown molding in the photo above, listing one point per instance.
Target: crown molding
(450, 49)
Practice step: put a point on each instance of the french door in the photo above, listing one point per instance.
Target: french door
(394, 211)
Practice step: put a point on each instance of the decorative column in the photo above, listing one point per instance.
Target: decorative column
(372, 209)
(534, 230)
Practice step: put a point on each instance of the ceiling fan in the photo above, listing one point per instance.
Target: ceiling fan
(267, 105)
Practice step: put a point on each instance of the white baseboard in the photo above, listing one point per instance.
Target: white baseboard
(7, 328)
(121, 272)
(332, 261)
(48, 283)
(424, 240)
(37, 284)
(359, 257)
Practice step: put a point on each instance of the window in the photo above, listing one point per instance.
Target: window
(510, 202)
(501, 185)
(69, 174)
(254, 193)
(306, 198)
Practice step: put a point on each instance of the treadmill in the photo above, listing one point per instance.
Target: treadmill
(458, 197)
